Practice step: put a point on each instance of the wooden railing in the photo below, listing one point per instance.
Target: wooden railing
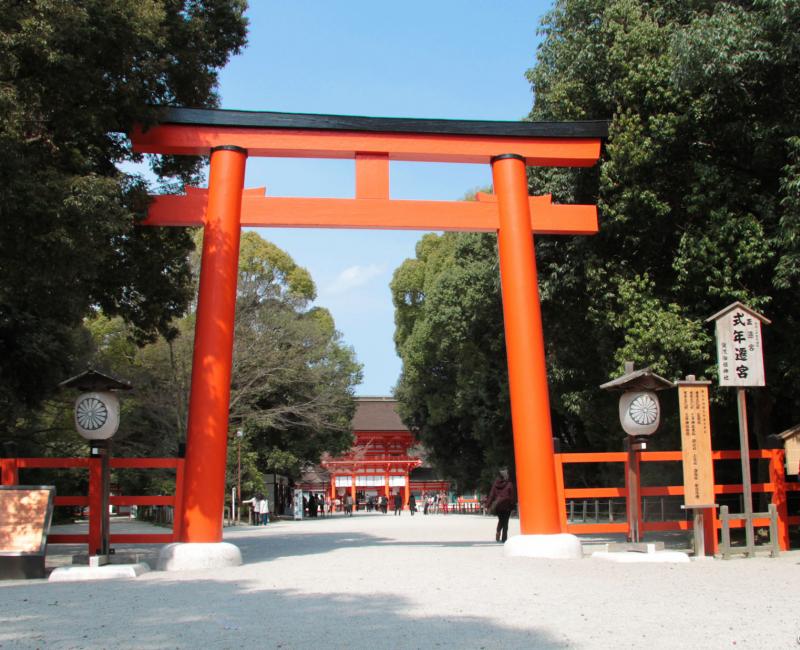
(9, 475)
(777, 487)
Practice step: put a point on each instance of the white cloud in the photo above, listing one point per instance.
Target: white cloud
(353, 277)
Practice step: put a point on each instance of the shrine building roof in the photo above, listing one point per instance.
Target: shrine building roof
(377, 414)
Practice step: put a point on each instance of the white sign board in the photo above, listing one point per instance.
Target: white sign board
(298, 504)
(739, 353)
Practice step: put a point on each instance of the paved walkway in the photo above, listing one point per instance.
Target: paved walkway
(375, 581)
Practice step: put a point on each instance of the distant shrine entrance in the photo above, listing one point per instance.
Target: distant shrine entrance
(384, 461)
(230, 137)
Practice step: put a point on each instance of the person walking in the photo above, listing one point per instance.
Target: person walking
(398, 503)
(263, 509)
(501, 501)
(348, 504)
(412, 504)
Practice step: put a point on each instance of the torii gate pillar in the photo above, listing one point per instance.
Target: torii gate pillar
(207, 430)
(527, 373)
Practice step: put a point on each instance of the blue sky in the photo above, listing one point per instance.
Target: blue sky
(437, 59)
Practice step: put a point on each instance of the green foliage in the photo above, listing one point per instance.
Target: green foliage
(449, 335)
(695, 193)
(74, 78)
(698, 192)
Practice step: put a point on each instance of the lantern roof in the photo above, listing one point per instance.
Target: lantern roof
(94, 380)
(643, 379)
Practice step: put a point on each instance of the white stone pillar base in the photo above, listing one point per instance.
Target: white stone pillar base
(187, 557)
(561, 546)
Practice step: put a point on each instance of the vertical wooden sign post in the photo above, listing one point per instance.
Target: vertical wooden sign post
(698, 467)
(740, 361)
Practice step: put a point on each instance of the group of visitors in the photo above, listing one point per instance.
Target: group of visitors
(316, 505)
(435, 503)
(259, 509)
(501, 502)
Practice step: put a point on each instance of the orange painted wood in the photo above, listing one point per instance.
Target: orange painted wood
(144, 463)
(777, 477)
(595, 493)
(587, 529)
(599, 457)
(8, 471)
(59, 538)
(142, 501)
(177, 515)
(653, 526)
(539, 506)
(662, 491)
(372, 176)
(52, 462)
(374, 213)
(72, 501)
(562, 499)
(95, 505)
(141, 538)
(198, 140)
(207, 436)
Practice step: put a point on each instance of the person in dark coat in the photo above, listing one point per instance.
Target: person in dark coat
(312, 506)
(501, 501)
(412, 504)
(398, 503)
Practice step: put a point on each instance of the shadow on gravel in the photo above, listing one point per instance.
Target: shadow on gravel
(262, 549)
(212, 614)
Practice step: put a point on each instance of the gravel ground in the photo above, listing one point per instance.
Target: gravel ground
(375, 581)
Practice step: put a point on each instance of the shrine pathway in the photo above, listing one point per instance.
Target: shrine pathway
(379, 581)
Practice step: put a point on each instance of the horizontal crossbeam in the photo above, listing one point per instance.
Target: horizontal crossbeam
(286, 143)
(382, 214)
(187, 131)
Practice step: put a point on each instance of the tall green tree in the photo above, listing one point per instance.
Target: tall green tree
(695, 193)
(454, 388)
(74, 78)
(698, 196)
(292, 378)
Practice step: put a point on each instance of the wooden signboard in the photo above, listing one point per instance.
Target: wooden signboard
(698, 468)
(740, 356)
(25, 515)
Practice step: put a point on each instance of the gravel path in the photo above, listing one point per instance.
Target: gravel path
(375, 581)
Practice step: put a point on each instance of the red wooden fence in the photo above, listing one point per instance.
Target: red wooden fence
(9, 475)
(777, 486)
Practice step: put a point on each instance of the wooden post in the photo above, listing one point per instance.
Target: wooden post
(407, 491)
(778, 479)
(9, 475)
(95, 506)
(747, 485)
(177, 508)
(207, 438)
(527, 372)
(562, 506)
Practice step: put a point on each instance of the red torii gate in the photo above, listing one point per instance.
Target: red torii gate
(229, 137)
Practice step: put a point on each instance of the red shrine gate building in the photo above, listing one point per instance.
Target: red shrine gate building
(384, 459)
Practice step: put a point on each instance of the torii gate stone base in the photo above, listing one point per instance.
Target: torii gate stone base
(229, 137)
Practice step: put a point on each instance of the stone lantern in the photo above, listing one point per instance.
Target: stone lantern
(640, 417)
(96, 416)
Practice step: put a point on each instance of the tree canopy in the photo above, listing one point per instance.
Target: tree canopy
(291, 386)
(74, 78)
(697, 189)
